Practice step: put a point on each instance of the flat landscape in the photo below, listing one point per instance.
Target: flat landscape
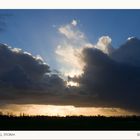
(69, 123)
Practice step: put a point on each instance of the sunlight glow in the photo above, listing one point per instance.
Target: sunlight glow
(71, 83)
(73, 72)
(53, 110)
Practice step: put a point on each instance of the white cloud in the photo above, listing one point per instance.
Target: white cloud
(104, 44)
(72, 56)
(71, 32)
(16, 50)
(131, 37)
(73, 41)
(74, 22)
(70, 47)
(40, 59)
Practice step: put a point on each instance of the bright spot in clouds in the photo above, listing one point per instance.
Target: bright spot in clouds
(71, 44)
(69, 50)
(71, 83)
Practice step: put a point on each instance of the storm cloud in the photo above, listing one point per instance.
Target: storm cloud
(109, 80)
(25, 78)
(113, 80)
(14, 61)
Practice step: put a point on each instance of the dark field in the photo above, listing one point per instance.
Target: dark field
(69, 123)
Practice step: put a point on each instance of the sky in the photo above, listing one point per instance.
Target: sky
(36, 30)
(70, 62)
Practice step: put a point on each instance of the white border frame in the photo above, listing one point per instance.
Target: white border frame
(69, 4)
(70, 135)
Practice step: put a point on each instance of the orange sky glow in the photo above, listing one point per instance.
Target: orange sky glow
(53, 110)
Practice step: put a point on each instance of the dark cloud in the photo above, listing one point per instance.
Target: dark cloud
(108, 80)
(129, 52)
(25, 78)
(16, 78)
(112, 81)
(18, 62)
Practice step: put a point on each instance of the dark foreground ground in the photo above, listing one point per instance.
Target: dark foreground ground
(69, 123)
